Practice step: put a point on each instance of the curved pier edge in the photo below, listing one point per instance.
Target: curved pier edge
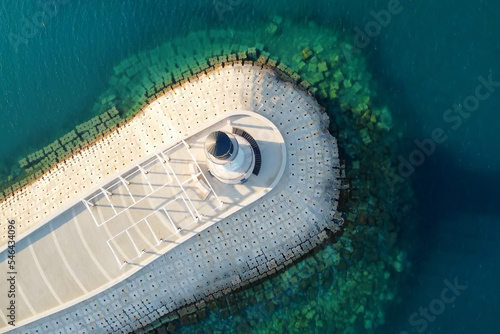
(290, 193)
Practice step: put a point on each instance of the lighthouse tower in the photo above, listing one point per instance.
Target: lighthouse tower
(230, 157)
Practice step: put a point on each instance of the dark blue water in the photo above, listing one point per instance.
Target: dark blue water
(427, 58)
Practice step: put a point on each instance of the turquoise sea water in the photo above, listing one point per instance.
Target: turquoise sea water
(426, 59)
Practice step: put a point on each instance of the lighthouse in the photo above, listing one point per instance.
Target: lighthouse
(230, 157)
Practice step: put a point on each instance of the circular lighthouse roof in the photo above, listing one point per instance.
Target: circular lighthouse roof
(219, 145)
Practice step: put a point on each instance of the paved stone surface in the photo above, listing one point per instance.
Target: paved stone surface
(137, 216)
(248, 245)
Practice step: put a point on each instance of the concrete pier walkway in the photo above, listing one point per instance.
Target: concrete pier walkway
(134, 227)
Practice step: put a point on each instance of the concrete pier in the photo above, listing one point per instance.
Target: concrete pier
(75, 280)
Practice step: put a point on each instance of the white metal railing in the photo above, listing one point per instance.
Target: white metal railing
(124, 182)
(164, 160)
(158, 241)
(198, 166)
(182, 188)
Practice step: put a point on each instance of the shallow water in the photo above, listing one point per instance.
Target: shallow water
(427, 58)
